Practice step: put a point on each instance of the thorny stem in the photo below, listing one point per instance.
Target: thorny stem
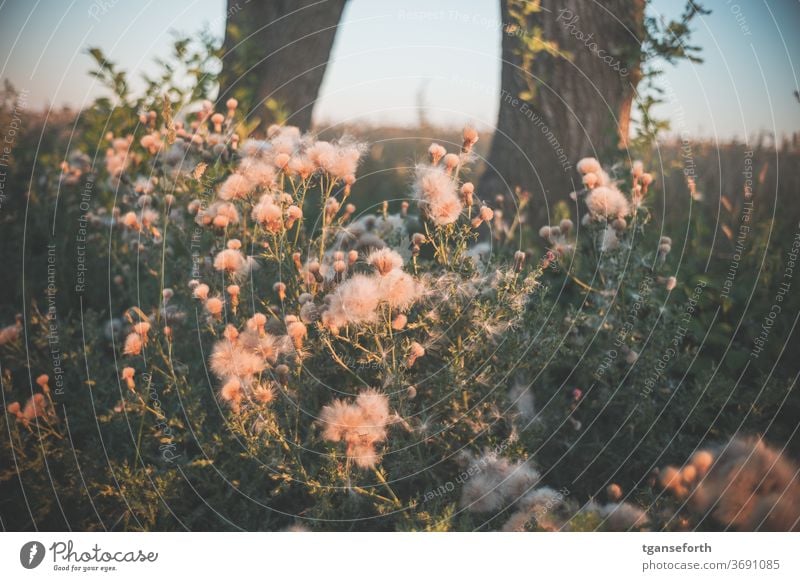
(380, 476)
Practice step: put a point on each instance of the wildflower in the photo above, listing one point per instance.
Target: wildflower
(15, 409)
(232, 393)
(282, 371)
(280, 289)
(444, 211)
(360, 426)
(519, 260)
(231, 104)
(415, 352)
(257, 323)
(590, 180)
(538, 505)
(606, 203)
(293, 214)
(672, 282)
(309, 312)
(451, 161)
(398, 289)
(214, 307)
(589, 165)
(133, 344)
(353, 302)
(233, 291)
(467, 191)
(127, 377)
(437, 152)
(258, 173)
(345, 162)
(201, 292)
(264, 394)
(664, 247)
(217, 119)
(268, 214)
(614, 492)
(230, 261)
(385, 260)
(219, 214)
(43, 382)
(497, 483)
(129, 220)
(282, 160)
(670, 479)
(10, 333)
(296, 331)
(267, 347)
(235, 359)
(484, 215)
(35, 407)
(142, 329)
(332, 206)
(744, 484)
(151, 142)
(236, 187)
(702, 461)
(470, 136)
(623, 516)
(436, 192)
(230, 333)
(399, 322)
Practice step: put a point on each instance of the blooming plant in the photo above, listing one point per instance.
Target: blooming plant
(419, 367)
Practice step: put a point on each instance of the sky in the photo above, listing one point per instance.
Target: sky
(390, 56)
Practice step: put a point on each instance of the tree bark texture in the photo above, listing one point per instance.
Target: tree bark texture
(275, 54)
(570, 102)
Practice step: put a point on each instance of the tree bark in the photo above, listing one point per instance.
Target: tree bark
(275, 54)
(557, 108)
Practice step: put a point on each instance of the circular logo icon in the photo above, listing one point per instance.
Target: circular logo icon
(31, 554)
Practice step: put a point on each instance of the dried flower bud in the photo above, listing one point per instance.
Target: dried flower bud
(282, 371)
(614, 492)
(437, 152)
(415, 352)
(519, 260)
(127, 377)
(399, 322)
(451, 160)
(470, 138)
(280, 288)
(467, 192)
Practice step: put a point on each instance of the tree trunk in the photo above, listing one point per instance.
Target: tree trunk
(565, 103)
(274, 56)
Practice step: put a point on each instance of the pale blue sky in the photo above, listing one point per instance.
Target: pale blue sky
(387, 51)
